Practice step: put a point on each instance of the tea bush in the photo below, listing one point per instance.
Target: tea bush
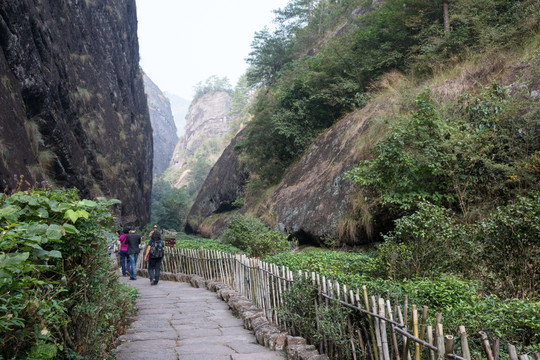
(428, 241)
(59, 297)
(460, 300)
(511, 248)
(184, 241)
(252, 236)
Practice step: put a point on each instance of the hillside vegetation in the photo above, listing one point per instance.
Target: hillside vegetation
(449, 154)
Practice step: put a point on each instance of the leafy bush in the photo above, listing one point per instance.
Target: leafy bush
(184, 241)
(425, 242)
(252, 236)
(443, 293)
(328, 263)
(410, 162)
(460, 301)
(478, 153)
(59, 297)
(511, 248)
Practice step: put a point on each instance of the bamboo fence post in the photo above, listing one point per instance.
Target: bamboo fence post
(257, 279)
(415, 332)
(448, 345)
(197, 262)
(394, 338)
(430, 341)
(351, 322)
(512, 352)
(324, 284)
(485, 344)
(406, 322)
(360, 337)
(495, 348)
(279, 286)
(317, 320)
(377, 328)
(405, 354)
(265, 289)
(384, 335)
(371, 324)
(275, 305)
(176, 261)
(200, 254)
(193, 258)
(465, 353)
(423, 325)
(219, 264)
(440, 341)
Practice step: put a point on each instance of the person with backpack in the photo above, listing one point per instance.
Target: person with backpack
(133, 240)
(124, 262)
(154, 253)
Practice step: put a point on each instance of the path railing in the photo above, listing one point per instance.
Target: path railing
(369, 327)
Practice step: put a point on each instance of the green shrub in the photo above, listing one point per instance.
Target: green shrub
(184, 241)
(252, 236)
(443, 293)
(426, 242)
(331, 264)
(511, 241)
(516, 321)
(59, 297)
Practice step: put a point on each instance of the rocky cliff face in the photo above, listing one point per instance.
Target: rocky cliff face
(311, 202)
(165, 138)
(223, 185)
(74, 111)
(207, 121)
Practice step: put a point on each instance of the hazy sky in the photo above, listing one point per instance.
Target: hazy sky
(183, 42)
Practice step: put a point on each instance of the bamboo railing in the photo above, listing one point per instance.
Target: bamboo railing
(372, 327)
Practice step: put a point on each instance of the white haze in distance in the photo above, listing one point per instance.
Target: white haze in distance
(184, 42)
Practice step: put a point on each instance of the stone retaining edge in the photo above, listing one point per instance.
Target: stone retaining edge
(266, 333)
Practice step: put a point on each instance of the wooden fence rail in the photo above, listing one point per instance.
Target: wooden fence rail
(369, 327)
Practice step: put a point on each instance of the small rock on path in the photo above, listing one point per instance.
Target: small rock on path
(176, 321)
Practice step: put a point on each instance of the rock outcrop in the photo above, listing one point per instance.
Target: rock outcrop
(207, 122)
(222, 187)
(74, 111)
(311, 202)
(164, 129)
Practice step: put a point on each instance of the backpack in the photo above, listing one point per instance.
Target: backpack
(156, 249)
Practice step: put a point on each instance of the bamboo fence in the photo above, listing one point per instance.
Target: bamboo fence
(372, 327)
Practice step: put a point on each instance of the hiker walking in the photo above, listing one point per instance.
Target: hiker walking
(133, 240)
(124, 262)
(154, 255)
(155, 229)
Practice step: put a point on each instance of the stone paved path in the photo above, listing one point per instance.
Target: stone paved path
(177, 321)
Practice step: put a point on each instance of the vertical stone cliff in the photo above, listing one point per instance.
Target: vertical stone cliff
(74, 111)
(164, 129)
(207, 122)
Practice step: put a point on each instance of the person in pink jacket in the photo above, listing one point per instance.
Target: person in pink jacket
(123, 252)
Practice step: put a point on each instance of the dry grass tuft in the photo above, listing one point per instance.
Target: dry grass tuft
(448, 85)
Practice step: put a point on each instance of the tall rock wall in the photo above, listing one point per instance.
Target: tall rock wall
(164, 128)
(74, 111)
(222, 187)
(207, 121)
